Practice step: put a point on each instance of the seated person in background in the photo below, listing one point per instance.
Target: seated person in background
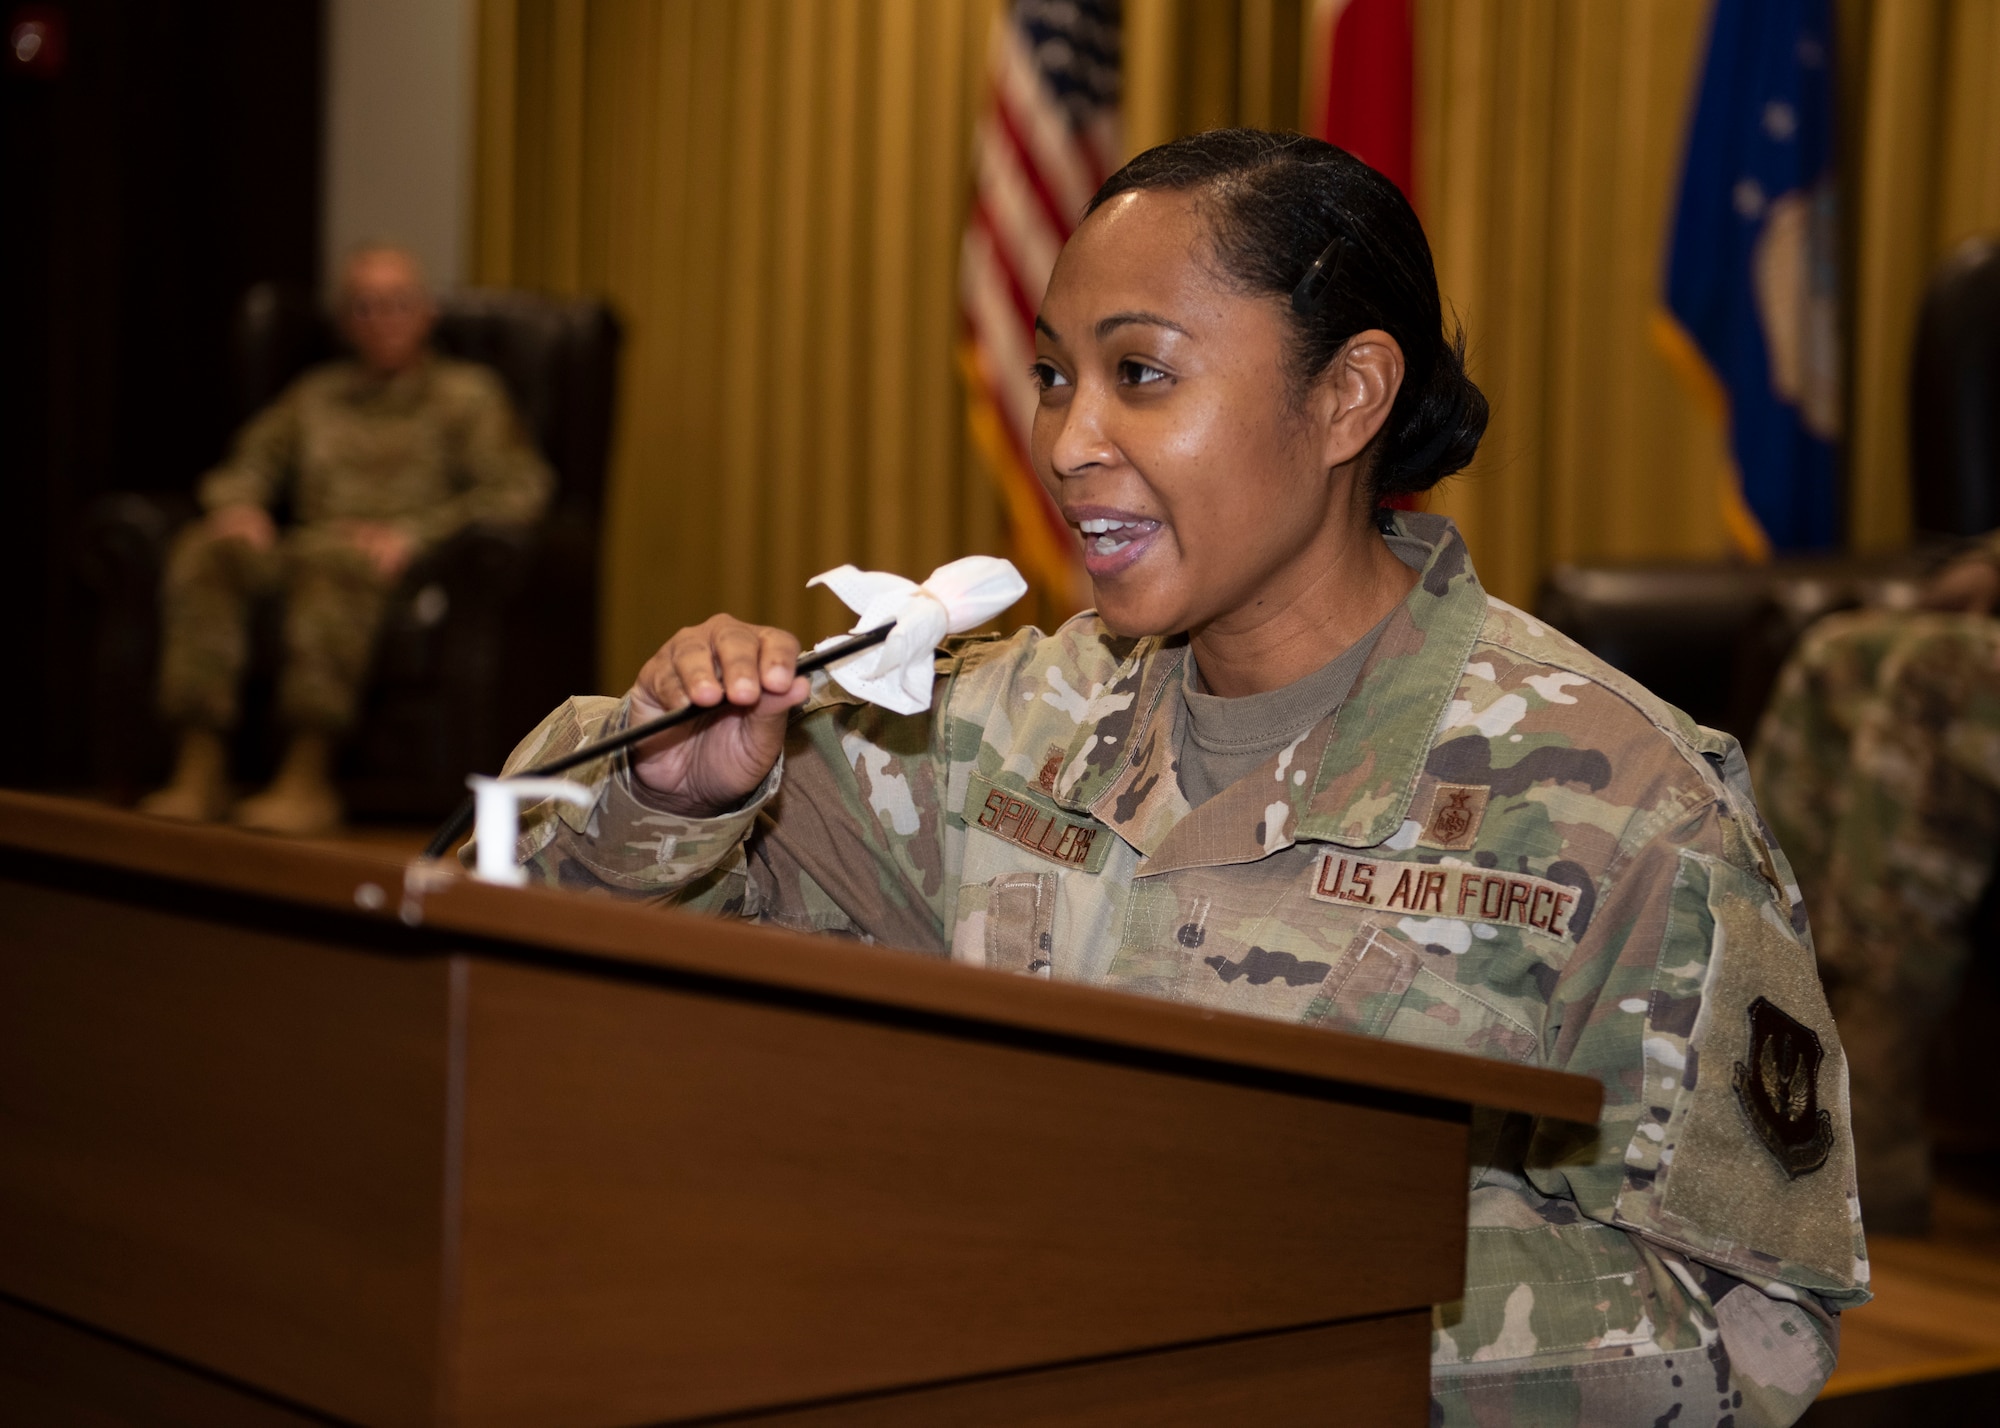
(1298, 764)
(382, 456)
(1879, 764)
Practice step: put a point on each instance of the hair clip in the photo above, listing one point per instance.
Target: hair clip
(1319, 278)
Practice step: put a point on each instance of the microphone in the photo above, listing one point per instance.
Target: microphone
(453, 828)
(907, 618)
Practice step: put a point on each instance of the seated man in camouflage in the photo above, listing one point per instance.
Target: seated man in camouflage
(1878, 765)
(382, 456)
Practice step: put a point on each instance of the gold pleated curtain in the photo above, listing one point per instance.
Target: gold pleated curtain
(1549, 138)
(1921, 105)
(771, 192)
(1549, 145)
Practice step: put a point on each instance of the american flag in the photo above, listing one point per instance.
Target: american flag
(1048, 137)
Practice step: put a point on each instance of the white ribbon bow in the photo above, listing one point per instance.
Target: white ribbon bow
(897, 673)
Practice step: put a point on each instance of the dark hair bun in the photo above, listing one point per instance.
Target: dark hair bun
(1296, 216)
(1439, 433)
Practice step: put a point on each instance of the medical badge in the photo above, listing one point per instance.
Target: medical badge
(1455, 813)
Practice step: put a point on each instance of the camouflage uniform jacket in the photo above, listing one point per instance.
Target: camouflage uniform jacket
(430, 449)
(1497, 845)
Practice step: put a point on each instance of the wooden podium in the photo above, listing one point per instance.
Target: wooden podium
(288, 1138)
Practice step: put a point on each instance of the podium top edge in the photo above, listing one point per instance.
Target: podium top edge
(356, 884)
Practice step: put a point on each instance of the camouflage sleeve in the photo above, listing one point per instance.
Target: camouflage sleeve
(503, 479)
(844, 836)
(1686, 1259)
(625, 844)
(261, 460)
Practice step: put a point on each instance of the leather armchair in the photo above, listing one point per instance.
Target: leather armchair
(1955, 395)
(1711, 638)
(486, 633)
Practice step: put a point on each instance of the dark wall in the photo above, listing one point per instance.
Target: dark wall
(172, 160)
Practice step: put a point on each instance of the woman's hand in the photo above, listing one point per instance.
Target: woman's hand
(748, 672)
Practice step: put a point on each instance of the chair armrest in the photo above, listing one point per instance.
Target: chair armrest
(1712, 637)
(122, 544)
(482, 567)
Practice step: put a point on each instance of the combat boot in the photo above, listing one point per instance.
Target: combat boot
(198, 792)
(301, 800)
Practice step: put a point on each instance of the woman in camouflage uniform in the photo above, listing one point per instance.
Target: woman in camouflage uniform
(1298, 764)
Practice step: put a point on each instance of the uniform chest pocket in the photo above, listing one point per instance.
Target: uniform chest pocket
(1383, 985)
(1365, 988)
(1008, 923)
(1274, 970)
(1437, 1007)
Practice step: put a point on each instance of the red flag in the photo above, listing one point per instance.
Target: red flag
(1370, 108)
(1371, 101)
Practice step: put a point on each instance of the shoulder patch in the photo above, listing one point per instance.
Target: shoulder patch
(1704, 1170)
(1779, 1089)
(1036, 824)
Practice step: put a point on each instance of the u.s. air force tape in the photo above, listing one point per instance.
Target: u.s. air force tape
(1467, 894)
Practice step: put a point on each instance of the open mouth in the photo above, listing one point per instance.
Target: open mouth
(1108, 537)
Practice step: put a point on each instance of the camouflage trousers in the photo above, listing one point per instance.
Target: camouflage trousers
(1878, 766)
(333, 607)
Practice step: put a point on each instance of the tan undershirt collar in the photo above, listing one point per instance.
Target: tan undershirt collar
(1227, 739)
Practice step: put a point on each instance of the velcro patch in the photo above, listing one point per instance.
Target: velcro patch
(1779, 1089)
(1038, 826)
(1456, 810)
(1460, 893)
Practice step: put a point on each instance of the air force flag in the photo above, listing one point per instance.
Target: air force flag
(1751, 280)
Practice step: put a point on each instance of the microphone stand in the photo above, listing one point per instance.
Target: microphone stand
(453, 828)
